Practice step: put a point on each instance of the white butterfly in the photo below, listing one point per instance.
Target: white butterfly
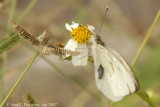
(113, 75)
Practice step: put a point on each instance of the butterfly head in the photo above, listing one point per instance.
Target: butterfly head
(99, 41)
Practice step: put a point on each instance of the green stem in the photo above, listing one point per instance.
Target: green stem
(21, 17)
(4, 58)
(12, 10)
(111, 104)
(145, 97)
(141, 93)
(26, 11)
(18, 81)
(11, 13)
(146, 38)
(3, 69)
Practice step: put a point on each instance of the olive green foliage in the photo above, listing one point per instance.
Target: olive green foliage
(8, 42)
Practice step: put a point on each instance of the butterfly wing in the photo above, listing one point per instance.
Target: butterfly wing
(118, 80)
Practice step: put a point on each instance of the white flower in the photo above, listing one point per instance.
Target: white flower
(80, 36)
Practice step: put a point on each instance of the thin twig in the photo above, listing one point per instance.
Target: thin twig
(5, 55)
(145, 97)
(26, 11)
(18, 81)
(141, 93)
(21, 17)
(146, 38)
(11, 13)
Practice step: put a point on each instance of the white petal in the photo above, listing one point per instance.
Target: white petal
(74, 25)
(80, 60)
(92, 39)
(71, 45)
(68, 27)
(91, 28)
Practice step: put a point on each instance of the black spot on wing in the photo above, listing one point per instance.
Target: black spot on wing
(100, 72)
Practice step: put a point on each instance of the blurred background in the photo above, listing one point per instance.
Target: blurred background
(124, 28)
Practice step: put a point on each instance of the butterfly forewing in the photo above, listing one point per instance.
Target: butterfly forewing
(118, 80)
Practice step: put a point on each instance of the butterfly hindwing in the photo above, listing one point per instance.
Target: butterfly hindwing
(118, 80)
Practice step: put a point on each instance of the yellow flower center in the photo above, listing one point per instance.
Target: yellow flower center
(81, 34)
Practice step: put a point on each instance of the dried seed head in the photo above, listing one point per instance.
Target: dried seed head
(58, 44)
(41, 41)
(51, 44)
(43, 38)
(24, 34)
(48, 50)
(8, 42)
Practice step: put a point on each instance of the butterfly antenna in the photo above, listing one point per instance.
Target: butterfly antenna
(102, 20)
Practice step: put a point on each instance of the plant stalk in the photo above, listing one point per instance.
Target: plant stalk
(146, 39)
(141, 93)
(5, 55)
(18, 81)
